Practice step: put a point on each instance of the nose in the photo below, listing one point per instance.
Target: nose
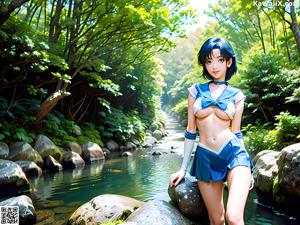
(214, 65)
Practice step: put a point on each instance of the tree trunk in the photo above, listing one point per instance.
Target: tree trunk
(295, 26)
(49, 104)
(5, 12)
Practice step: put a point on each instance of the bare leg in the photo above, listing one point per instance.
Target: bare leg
(238, 180)
(212, 194)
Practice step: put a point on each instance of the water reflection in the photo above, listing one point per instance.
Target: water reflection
(141, 176)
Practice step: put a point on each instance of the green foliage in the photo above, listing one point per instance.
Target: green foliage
(181, 109)
(90, 133)
(123, 127)
(266, 84)
(288, 127)
(10, 132)
(260, 137)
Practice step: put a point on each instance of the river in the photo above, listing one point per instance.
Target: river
(141, 176)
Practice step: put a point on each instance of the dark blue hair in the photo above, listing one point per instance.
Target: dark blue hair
(226, 51)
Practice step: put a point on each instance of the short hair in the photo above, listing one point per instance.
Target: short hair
(226, 51)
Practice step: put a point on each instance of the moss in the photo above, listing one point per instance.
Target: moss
(113, 222)
(276, 192)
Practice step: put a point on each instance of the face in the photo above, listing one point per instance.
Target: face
(216, 65)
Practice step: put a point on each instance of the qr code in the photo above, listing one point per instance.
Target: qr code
(9, 215)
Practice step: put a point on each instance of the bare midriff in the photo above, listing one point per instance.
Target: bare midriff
(213, 125)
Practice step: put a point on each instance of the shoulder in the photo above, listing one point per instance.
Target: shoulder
(238, 94)
(196, 89)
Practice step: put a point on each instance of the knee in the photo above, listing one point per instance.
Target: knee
(234, 218)
(217, 219)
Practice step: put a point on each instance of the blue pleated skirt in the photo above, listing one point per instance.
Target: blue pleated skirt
(210, 165)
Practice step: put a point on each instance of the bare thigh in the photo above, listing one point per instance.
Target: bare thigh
(238, 180)
(212, 194)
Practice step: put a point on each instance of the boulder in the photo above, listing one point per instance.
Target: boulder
(51, 164)
(158, 213)
(4, 150)
(45, 147)
(12, 180)
(187, 197)
(27, 214)
(288, 174)
(30, 168)
(157, 153)
(104, 208)
(265, 170)
(261, 153)
(130, 146)
(112, 145)
(157, 134)
(149, 142)
(72, 160)
(91, 152)
(73, 146)
(21, 151)
(126, 154)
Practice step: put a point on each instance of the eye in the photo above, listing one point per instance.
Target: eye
(207, 62)
(221, 60)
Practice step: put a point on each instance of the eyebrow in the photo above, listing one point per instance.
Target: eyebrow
(215, 57)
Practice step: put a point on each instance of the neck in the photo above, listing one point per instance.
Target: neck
(218, 82)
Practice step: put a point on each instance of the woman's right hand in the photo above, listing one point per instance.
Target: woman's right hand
(175, 178)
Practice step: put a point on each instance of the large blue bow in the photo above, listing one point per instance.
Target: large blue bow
(206, 102)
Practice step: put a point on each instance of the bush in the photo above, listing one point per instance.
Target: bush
(123, 127)
(181, 109)
(260, 137)
(288, 127)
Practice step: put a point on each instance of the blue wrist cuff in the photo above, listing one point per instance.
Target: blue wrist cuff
(190, 135)
(239, 135)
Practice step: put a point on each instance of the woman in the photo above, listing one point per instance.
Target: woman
(220, 154)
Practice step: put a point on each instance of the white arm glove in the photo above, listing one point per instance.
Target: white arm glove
(188, 148)
(239, 135)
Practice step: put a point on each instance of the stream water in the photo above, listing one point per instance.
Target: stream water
(141, 176)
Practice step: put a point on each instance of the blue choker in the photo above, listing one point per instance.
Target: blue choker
(219, 82)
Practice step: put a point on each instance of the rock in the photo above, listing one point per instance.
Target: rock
(112, 145)
(27, 214)
(158, 213)
(188, 198)
(289, 173)
(4, 150)
(154, 126)
(126, 154)
(72, 160)
(104, 208)
(261, 153)
(157, 153)
(150, 141)
(30, 168)
(12, 180)
(21, 151)
(130, 146)
(76, 131)
(45, 147)
(157, 134)
(73, 146)
(265, 170)
(136, 142)
(91, 152)
(106, 150)
(184, 122)
(52, 165)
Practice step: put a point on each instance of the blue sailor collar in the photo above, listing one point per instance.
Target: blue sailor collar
(221, 102)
